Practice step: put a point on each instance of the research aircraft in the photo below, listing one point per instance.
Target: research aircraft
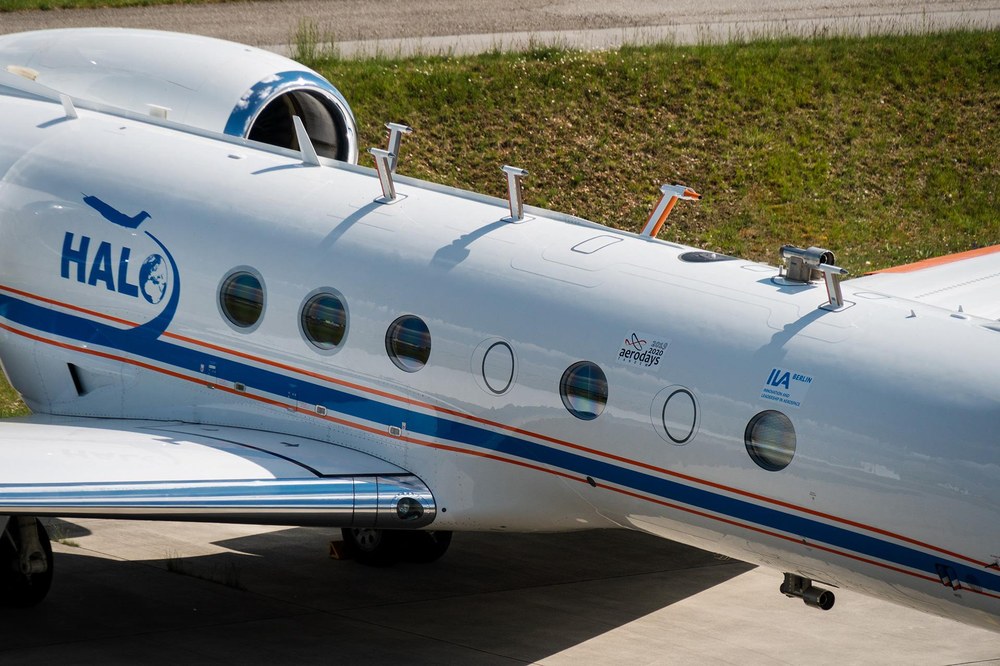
(215, 313)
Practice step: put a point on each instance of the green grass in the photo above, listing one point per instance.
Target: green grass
(885, 150)
(26, 5)
(10, 403)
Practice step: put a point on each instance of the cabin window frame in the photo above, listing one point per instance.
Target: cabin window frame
(314, 344)
(767, 451)
(569, 381)
(228, 316)
(394, 352)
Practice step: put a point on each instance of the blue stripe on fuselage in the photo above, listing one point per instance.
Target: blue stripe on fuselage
(67, 325)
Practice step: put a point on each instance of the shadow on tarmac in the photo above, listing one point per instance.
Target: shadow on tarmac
(493, 598)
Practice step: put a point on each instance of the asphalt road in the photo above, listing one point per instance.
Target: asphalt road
(461, 26)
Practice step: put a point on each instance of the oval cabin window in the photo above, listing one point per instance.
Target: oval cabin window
(408, 343)
(324, 321)
(584, 390)
(770, 440)
(242, 299)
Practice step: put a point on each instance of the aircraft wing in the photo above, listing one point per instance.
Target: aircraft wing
(109, 468)
(967, 282)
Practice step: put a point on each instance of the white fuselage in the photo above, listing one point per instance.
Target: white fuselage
(895, 405)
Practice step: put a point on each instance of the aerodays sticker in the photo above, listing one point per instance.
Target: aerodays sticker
(642, 350)
(786, 387)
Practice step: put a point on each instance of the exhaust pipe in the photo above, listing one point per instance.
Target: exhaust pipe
(814, 597)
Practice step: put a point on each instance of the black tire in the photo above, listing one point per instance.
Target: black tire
(372, 547)
(19, 590)
(425, 547)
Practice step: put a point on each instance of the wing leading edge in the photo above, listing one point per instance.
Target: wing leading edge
(102, 468)
(965, 282)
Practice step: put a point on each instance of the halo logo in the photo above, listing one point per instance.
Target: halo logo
(111, 268)
(97, 263)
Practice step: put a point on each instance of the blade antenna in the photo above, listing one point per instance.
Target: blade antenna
(309, 155)
(68, 108)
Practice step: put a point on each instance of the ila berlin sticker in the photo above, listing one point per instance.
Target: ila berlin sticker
(786, 387)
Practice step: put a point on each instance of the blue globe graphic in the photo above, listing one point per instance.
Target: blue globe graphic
(153, 278)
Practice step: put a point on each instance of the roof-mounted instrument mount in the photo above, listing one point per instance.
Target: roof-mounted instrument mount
(815, 263)
(669, 195)
(515, 192)
(396, 132)
(386, 161)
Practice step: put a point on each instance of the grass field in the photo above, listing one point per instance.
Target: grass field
(885, 149)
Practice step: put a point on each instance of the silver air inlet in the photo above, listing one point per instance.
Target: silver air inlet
(814, 597)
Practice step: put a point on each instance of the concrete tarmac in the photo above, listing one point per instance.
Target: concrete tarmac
(179, 593)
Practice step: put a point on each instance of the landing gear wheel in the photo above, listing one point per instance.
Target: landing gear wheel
(372, 547)
(17, 589)
(382, 548)
(424, 547)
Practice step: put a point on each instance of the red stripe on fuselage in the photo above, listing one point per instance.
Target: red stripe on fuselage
(450, 412)
(504, 459)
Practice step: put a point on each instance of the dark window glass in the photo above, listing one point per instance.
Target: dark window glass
(408, 343)
(770, 440)
(584, 390)
(242, 299)
(324, 320)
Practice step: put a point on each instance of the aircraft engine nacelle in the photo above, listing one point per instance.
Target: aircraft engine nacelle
(198, 81)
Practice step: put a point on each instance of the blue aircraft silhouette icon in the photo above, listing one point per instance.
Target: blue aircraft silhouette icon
(113, 215)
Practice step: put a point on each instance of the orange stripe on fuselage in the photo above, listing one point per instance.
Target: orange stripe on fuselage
(504, 459)
(441, 410)
(939, 261)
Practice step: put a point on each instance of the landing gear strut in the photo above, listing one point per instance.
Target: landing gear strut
(381, 548)
(25, 563)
